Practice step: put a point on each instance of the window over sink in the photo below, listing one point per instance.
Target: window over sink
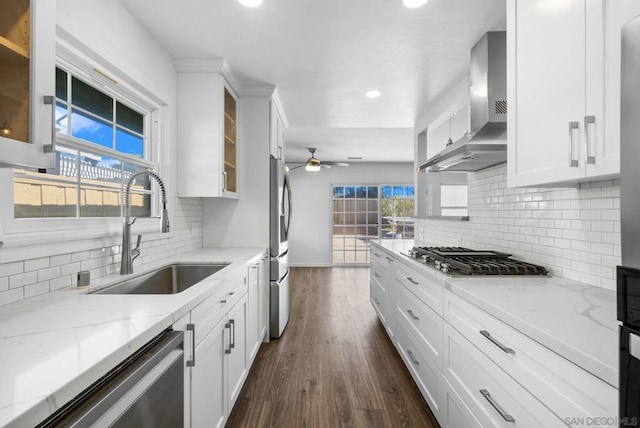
(101, 142)
(108, 126)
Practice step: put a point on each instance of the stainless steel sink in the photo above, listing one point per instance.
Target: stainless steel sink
(171, 279)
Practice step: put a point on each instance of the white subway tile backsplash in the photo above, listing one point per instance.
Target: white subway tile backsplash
(35, 264)
(23, 279)
(11, 268)
(49, 273)
(574, 232)
(27, 278)
(35, 289)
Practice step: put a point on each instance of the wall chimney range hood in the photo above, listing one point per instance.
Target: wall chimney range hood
(485, 145)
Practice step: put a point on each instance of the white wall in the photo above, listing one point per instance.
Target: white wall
(126, 50)
(311, 226)
(573, 232)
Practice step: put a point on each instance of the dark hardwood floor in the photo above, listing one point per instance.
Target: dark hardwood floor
(334, 366)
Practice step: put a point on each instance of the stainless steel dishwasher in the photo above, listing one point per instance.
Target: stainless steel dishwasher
(146, 390)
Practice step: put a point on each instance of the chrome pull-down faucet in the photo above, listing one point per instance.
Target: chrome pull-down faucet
(128, 255)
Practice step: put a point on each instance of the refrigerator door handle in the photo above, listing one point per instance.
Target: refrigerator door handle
(287, 194)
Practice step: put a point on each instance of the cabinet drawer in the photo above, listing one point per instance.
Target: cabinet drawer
(458, 414)
(381, 257)
(208, 313)
(493, 397)
(377, 299)
(562, 386)
(423, 322)
(379, 273)
(423, 369)
(428, 291)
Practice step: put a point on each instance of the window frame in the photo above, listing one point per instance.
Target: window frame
(379, 199)
(19, 232)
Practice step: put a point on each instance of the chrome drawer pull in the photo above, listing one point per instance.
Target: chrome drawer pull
(410, 312)
(228, 351)
(192, 329)
(573, 126)
(377, 301)
(412, 281)
(376, 275)
(389, 258)
(507, 417)
(376, 254)
(587, 121)
(413, 360)
(495, 341)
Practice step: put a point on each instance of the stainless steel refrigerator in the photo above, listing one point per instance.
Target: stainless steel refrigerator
(628, 275)
(280, 220)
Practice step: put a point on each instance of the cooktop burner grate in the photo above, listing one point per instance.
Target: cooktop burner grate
(460, 260)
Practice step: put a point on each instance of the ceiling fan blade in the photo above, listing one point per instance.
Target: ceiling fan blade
(335, 163)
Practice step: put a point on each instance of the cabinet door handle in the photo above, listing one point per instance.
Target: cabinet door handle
(573, 163)
(413, 360)
(223, 301)
(228, 351)
(389, 258)
(507, 417)
(51, 100)
(495, 341)
(192, 329)
(410, 312)
(233, 326)
(588, 120)
(377, 301)
(376, 254)
(412, 281)
(224, 181)
(376, 275)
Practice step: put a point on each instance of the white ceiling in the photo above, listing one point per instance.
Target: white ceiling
(323, 55)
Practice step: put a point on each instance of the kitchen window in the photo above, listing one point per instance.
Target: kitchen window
(101, 142)
(105, 131)
(365, 212)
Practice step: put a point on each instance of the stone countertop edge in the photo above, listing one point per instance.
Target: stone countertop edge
(57, 344)
(575, 320)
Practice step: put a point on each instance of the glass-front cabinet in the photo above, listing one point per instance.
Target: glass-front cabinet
(207, 129)
(27, 83)
(230, 142)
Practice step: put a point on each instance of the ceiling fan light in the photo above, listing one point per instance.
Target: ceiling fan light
(313, 165)
(413, 3)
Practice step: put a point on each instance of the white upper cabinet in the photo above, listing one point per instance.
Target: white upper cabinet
(277, 128)
(207, 130)
(563, 92)
(27, 76)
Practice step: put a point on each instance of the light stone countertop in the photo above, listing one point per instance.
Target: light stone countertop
(575, 320)
(55, 345)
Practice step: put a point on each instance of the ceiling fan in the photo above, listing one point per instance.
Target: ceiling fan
(313, 164)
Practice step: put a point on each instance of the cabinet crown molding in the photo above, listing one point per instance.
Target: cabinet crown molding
(208, 65)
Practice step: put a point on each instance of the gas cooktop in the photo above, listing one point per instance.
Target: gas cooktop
(464, 261)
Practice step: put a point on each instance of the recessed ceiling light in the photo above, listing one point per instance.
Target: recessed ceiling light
(251, 3)
(373, 93)
(414, 3)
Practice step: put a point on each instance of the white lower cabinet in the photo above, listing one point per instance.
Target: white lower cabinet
(473, 369)
(423, 369)
(221, 340)
(208, 378)
(493, 397)
(457, 414)
(236, 353)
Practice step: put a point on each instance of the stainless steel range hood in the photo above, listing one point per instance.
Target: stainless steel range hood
(485, 145)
